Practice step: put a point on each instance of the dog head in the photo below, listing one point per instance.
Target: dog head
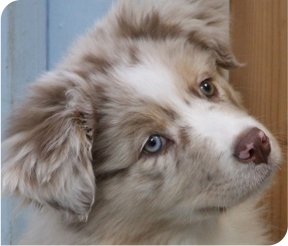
(141, 111)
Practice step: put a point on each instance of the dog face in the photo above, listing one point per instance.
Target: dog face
(174, 143)
(146, 122)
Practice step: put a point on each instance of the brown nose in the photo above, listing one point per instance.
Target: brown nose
(253, 146)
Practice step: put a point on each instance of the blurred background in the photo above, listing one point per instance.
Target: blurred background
(259, 39)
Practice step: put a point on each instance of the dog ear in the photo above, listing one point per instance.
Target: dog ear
(48, 149)
(204, 23)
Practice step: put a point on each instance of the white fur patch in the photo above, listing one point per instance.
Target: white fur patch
(151, 81)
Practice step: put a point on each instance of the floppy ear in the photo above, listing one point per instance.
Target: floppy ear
(48, 149)
(202, 22)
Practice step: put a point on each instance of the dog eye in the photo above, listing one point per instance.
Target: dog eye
(207, 88)
(154, 144)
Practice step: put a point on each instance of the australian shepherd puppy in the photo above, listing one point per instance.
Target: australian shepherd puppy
(137, 137)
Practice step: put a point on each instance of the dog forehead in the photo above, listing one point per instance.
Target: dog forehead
(151, 81)
(166, 73)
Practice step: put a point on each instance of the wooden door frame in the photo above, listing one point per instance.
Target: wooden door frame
(259, 39)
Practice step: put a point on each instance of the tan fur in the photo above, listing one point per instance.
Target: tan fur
(75, 147)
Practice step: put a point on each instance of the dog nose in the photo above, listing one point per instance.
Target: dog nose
(253, 146)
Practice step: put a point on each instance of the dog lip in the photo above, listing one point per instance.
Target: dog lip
(213, 209)
(250, 161)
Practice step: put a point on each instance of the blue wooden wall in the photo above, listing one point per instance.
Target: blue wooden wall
(35, 35)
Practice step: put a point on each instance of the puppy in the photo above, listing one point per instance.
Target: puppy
(137, 138)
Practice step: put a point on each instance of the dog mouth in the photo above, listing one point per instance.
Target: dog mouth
(257, 178)
(213, 210)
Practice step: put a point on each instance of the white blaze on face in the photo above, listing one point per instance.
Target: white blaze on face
(150, 82)
(220, 124)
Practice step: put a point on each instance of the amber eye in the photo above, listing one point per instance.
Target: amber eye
(154, 144)
(207, 88)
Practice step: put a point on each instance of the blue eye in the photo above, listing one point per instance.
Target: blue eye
(154, 144)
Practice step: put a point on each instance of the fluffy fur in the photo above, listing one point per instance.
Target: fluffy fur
(75, 146)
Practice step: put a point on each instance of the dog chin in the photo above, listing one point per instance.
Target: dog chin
(261, 174)
(258, 179)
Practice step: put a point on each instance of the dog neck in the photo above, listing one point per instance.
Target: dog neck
(109, 224)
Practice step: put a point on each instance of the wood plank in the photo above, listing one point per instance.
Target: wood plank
(5, 99)
(23, 58)
(259, 38)
(69, 19)
(24, 48)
